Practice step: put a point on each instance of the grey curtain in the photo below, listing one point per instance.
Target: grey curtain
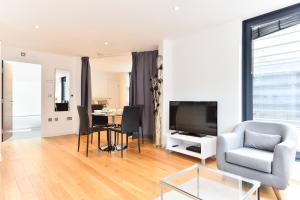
(86, 89)
(143, 68)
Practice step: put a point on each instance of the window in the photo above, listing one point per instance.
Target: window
(276, 76)
(271, 66)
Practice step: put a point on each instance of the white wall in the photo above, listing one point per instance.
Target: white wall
(108, 70)
(103, 84)
(121, 63)
(100, 83)
(49, 63)
(205, 66)
(124, 89)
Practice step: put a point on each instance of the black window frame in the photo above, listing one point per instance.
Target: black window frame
(247, 90)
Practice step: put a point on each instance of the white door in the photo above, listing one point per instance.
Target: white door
(7, 101)
(114, 93)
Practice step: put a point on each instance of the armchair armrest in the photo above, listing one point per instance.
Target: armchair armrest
(284, 157)
(226, 142)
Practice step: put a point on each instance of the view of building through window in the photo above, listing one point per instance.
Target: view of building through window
(276, 76)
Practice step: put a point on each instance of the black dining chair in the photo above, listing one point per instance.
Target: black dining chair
(130, 124)
(86, 129)
(98, 120)
(101, 122)
(141, 121)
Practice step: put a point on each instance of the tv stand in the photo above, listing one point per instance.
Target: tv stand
(179, 142)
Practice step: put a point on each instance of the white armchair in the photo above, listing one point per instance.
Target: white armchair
(270, 167)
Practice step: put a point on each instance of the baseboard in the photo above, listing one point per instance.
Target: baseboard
(59, 134)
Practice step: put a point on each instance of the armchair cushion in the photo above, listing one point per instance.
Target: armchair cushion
(251, 158)
(261, 141)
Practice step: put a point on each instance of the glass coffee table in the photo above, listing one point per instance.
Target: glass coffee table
(202, 183)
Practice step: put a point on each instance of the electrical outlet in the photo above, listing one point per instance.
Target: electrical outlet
(69, 118)
(49, 119)
(56, 119)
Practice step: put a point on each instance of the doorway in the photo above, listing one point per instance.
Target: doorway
(21, 105)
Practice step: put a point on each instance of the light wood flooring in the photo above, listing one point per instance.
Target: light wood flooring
(51, 168)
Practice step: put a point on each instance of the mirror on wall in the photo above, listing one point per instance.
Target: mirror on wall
(62, 90)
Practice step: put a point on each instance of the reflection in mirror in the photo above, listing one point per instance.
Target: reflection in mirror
(62, 90)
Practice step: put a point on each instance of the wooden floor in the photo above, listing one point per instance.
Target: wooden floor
(51, 168)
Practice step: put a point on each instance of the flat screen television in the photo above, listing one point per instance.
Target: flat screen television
(194, 118)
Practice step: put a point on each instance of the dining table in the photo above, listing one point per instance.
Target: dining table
(111, 143)
(113, 115)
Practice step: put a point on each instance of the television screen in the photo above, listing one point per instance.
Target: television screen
(194, 118)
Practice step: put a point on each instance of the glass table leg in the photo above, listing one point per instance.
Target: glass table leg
(198, 182)
(161, 192)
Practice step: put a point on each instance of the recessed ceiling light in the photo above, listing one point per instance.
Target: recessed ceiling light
(36, 26)
(105, 43)
(176, 8)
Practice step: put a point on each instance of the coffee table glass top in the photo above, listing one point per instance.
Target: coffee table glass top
(203, 183)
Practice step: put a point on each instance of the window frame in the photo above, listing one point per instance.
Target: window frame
(247, 83)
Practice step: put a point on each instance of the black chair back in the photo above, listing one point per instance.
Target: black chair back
(130, 119)
(99, 120)
(83, 120)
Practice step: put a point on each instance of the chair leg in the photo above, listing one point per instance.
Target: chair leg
(122, 145)
(139, 143)
(109, 142)
(127, 140)
(78, 142)
(142, 135)
(107, 138)
(87, 145)
(118, 138)
(92, 137)
(277, 193)
(98, 139)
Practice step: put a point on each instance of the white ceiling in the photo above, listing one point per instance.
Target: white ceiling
(80, 27)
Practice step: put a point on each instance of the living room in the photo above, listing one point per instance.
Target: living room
(178, 63)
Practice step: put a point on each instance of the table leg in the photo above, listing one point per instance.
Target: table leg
(113, 138)
(198, 182)
(257, 194)
(161, 192)
(109, 142)
(105, 148)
